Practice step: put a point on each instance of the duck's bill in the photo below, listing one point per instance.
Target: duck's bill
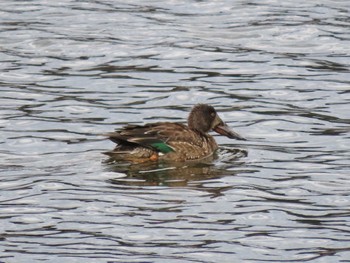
(223, 129)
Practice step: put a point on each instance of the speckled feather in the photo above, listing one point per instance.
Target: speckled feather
(139, 142)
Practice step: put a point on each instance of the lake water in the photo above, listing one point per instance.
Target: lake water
(278, 72)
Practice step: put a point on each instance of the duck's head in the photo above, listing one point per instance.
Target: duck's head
(203, 118)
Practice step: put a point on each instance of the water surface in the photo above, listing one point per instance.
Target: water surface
(277, 73)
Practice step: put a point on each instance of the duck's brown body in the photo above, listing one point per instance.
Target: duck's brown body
(145, 142)
(171, 141)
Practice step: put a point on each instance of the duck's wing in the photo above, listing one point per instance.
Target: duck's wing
(154, 136)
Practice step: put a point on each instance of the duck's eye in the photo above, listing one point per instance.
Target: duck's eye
(213, 114)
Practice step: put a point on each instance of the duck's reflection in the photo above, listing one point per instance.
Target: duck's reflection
(175, 174)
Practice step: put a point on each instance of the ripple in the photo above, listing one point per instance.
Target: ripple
(276, 72)
(78, 109)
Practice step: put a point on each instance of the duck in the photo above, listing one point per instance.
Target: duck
(169, 141)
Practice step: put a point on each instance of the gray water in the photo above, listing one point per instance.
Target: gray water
(276, 71)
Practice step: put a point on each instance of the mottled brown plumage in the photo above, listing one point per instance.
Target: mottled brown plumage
(171, 141)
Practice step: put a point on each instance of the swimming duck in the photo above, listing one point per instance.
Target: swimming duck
(171, 141)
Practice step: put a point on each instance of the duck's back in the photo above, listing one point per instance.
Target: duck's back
(164, 140)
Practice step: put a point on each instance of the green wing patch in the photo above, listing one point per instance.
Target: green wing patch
(162, 147)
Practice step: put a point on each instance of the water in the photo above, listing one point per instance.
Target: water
(277, 72)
